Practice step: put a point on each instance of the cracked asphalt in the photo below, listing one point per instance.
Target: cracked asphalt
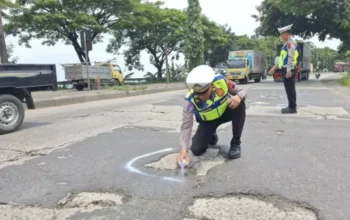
(89, 161)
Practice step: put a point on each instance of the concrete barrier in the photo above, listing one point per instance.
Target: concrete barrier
(83, 98)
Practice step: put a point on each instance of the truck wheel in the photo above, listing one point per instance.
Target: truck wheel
(11, 114)
(80, 87)
(117, 82)
(245, 81)
(257, 80)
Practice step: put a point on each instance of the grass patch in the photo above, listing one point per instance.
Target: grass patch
(345, 80)
(125, 88)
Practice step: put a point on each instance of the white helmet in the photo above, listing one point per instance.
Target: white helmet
(200, 78)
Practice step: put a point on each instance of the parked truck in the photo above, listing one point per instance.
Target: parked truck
(17, 82)
(245, 65)
(107, 73)
(303, 65)
(340, 67)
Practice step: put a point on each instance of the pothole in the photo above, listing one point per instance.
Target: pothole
(249, 207)
(91, 199)
(199, 165)
(69, 206)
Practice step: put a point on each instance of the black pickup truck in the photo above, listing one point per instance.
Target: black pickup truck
(17, 82)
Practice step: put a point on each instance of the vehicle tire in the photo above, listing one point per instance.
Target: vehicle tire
(11, 114)
(80, 87)
(117, 82)
(214, 139)
(257, 80)
(245, 81)
(307, 76)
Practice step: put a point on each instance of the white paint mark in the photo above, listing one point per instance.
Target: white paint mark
(133, 169)
(173, 179)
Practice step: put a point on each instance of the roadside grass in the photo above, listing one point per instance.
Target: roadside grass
(125, 88)
(345, 80)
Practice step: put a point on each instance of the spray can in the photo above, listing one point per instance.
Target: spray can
(182, 164)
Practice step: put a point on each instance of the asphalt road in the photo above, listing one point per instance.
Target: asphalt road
(89, 161)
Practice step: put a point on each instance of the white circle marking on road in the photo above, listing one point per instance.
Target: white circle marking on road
(133, 169)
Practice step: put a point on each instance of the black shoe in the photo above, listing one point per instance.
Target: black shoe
(289, 110)
(214, 140)
(235, 150)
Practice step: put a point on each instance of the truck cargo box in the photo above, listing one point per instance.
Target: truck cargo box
(31, 76)
(76, 72)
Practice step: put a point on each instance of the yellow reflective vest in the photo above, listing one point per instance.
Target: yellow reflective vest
(213, 108)
(283, 60)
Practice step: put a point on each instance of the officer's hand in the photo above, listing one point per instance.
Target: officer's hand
(288, 75)
(234, 101)
(183, 156)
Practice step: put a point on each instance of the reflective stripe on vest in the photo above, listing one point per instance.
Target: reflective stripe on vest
(283, 60)
(213, 108)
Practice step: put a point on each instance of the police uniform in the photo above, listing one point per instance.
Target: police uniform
(212, 113)
(287, 62)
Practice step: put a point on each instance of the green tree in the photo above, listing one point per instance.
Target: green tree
(194, 38)
(328, 19)
(217, 53)
(215, 38)
(152, 29)
(55, 20)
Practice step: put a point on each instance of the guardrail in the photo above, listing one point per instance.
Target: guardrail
(126, 81)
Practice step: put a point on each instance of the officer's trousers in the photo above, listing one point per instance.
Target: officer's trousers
(205, 131)
(289, 85)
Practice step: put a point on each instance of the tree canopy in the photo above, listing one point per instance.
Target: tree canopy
(152, 29)
(62, 20)
(194, 37)
(325, 18)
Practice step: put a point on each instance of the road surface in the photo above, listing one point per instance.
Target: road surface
(114, 159)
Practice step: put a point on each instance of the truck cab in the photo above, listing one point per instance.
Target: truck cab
(115, 70)
(237, 68)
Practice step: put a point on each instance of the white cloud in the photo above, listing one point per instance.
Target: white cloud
(238, 16)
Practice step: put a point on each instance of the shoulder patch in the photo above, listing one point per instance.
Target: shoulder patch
(220, 92)
(190, 107)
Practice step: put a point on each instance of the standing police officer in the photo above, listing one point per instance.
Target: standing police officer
(213, 101)
(287, 61)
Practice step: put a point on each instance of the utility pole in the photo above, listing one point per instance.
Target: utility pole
(166, 63)
(86, 43)
(3, 49)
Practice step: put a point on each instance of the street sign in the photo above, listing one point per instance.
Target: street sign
(86, 35)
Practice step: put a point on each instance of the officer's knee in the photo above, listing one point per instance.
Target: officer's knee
(197, 151)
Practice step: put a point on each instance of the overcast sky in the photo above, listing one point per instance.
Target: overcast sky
(237, 15)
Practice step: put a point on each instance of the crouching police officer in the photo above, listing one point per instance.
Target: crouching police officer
(213, 100)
